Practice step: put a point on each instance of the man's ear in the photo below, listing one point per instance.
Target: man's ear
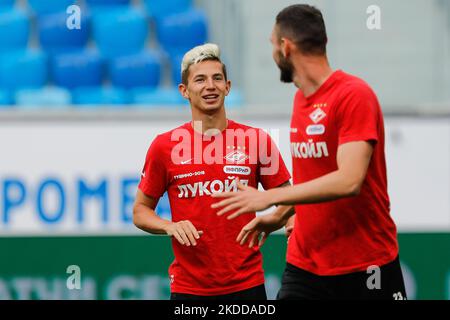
(286, 47)
(183, 90)
(228, 87)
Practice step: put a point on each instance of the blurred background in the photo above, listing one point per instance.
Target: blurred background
(85, 86)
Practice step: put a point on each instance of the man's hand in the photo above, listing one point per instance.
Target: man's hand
(289, 226)
(184, 231)
(259, 228)
(247, 199)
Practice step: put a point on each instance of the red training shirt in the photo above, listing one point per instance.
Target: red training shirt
(190, 169)
(348, 234)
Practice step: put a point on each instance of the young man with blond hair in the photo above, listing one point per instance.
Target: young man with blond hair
(199, 158)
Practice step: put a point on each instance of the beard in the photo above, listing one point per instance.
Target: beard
(286, 69)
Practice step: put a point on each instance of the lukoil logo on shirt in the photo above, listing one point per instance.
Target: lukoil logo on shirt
(309, 149)
(206, 188)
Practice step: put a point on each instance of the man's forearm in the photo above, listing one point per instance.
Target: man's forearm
(284, 213)
(147, 220)
(326, 188)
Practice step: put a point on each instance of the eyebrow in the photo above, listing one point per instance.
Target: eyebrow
(204, 75)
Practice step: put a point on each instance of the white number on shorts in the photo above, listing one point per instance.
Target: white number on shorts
(398, 296)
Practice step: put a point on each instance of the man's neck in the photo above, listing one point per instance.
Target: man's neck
(310, 73)
(202, 122)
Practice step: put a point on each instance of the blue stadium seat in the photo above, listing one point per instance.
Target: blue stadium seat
(182, 31)
(23, 69)
(139, 70)
(5, 99)
(100, 96)
(7, 3)
(77, 69)
(14, 29)
(49, 6)
(175, 66)
(45, 97)
(54, 35)
(158, 97)
(160, 8)
(96, 3)
(120, 31)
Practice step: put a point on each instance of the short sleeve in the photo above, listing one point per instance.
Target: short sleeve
(272, 169)
(154, 174)
(358, 116)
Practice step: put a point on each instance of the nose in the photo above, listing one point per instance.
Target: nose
(210, 84)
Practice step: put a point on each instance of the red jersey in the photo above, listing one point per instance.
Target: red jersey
(191, 169)
(348, 234)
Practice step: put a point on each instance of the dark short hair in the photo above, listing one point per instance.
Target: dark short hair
(304, 25)
(185, 73)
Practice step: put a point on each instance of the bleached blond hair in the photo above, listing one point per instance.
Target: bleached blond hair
(208, 51)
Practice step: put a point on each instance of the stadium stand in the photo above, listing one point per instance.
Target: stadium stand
(99, 3)
(159, 9)
(54, 36)
(125, 52)
(119, 31)
(5, 99)
(39, 7)
(6, 3)
(77, 69)
(164, 96)
(23, 69)
(138, 70)
(191, 24)
(48, 97)
(94, 97)
(14, 29)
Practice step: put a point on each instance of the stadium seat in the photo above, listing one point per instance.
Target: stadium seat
(6, 4)
(45, 97)
(139, 70)
(120, 31)
(100, 96)
(5, 99)
(158, 97)
(175, 66)
(160, 8)
(54, 36)
(23, 69)
(14, 29)
(182, 31)
(49, 6)
(97, 3)
(77, 69)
